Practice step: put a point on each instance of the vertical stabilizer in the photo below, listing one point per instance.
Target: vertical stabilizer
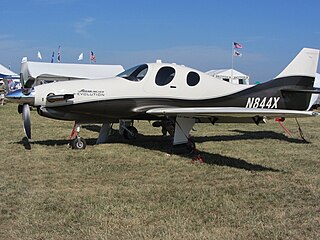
(304, 64)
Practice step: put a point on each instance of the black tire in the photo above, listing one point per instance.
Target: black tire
(78, 143)
(191, 145)
(20, 108)
(132, 135)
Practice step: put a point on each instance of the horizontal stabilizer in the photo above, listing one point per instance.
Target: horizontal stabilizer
(313, 90)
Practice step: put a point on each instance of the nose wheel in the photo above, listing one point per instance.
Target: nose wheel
(77, 142)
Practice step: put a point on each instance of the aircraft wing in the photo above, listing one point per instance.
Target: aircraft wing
(229, 112)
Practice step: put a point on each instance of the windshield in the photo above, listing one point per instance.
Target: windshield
(136, 73)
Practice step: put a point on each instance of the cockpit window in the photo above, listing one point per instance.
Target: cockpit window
(165, 75)
(135, 74)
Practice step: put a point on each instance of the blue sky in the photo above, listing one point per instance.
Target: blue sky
(198, 34)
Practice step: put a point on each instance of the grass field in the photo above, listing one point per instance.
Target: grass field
(256, 183)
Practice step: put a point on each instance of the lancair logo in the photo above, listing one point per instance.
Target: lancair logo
(91, 93)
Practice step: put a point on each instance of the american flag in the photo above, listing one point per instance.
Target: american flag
(237, 45)
(59, 56)
(92, 57)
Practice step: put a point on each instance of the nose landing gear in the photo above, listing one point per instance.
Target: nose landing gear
(77, 142)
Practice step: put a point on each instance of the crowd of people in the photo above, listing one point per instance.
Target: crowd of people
(2, 92)
(12, 86)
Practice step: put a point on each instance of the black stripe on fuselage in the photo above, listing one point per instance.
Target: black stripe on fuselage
(135, 108)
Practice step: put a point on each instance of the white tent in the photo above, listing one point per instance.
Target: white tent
(9, 80)
(4, 72)
(230, 75)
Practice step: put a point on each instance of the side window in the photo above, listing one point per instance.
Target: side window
(193, 78)
(165, 75)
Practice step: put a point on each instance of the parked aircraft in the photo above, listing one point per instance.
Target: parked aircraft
(38, 73)
(174, 96)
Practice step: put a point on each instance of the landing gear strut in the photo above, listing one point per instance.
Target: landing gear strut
(77, 142)
(127, 130)
(167, 126)
(191, 146)
(130, 133)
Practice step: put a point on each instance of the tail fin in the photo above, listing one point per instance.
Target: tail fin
(302, 93)
(304, 64)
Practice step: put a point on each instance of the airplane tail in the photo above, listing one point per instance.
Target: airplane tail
(297, 82)
(304, 64)
(291, 89)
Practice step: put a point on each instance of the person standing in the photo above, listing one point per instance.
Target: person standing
(2, 90)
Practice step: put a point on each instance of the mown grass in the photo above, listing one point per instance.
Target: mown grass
(256, 183)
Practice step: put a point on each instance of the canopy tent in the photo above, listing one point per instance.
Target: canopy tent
(5, 72)
(230, 75)
(9, 80)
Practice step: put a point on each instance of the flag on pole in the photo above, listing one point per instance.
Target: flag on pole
(59, 56)
(80, 58)
(39, 55)
(237, 45)
(92, 57)
(52, 57)
(237, 54)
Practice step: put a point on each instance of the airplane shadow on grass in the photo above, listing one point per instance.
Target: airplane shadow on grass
(164, 144)
(251, 135)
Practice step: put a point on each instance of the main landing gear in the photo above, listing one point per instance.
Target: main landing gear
(77, 142)
(167, 126)
(127, 130)
(130, 133)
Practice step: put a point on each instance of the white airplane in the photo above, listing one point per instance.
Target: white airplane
(170, 93)
(38, 73)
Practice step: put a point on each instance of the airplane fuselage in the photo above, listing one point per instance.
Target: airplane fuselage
(159, 86)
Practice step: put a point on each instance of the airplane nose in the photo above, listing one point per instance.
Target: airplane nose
(20, 96)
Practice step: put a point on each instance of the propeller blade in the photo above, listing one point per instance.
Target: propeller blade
(26, 120)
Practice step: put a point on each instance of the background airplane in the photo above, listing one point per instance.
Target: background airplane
(170, 93)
